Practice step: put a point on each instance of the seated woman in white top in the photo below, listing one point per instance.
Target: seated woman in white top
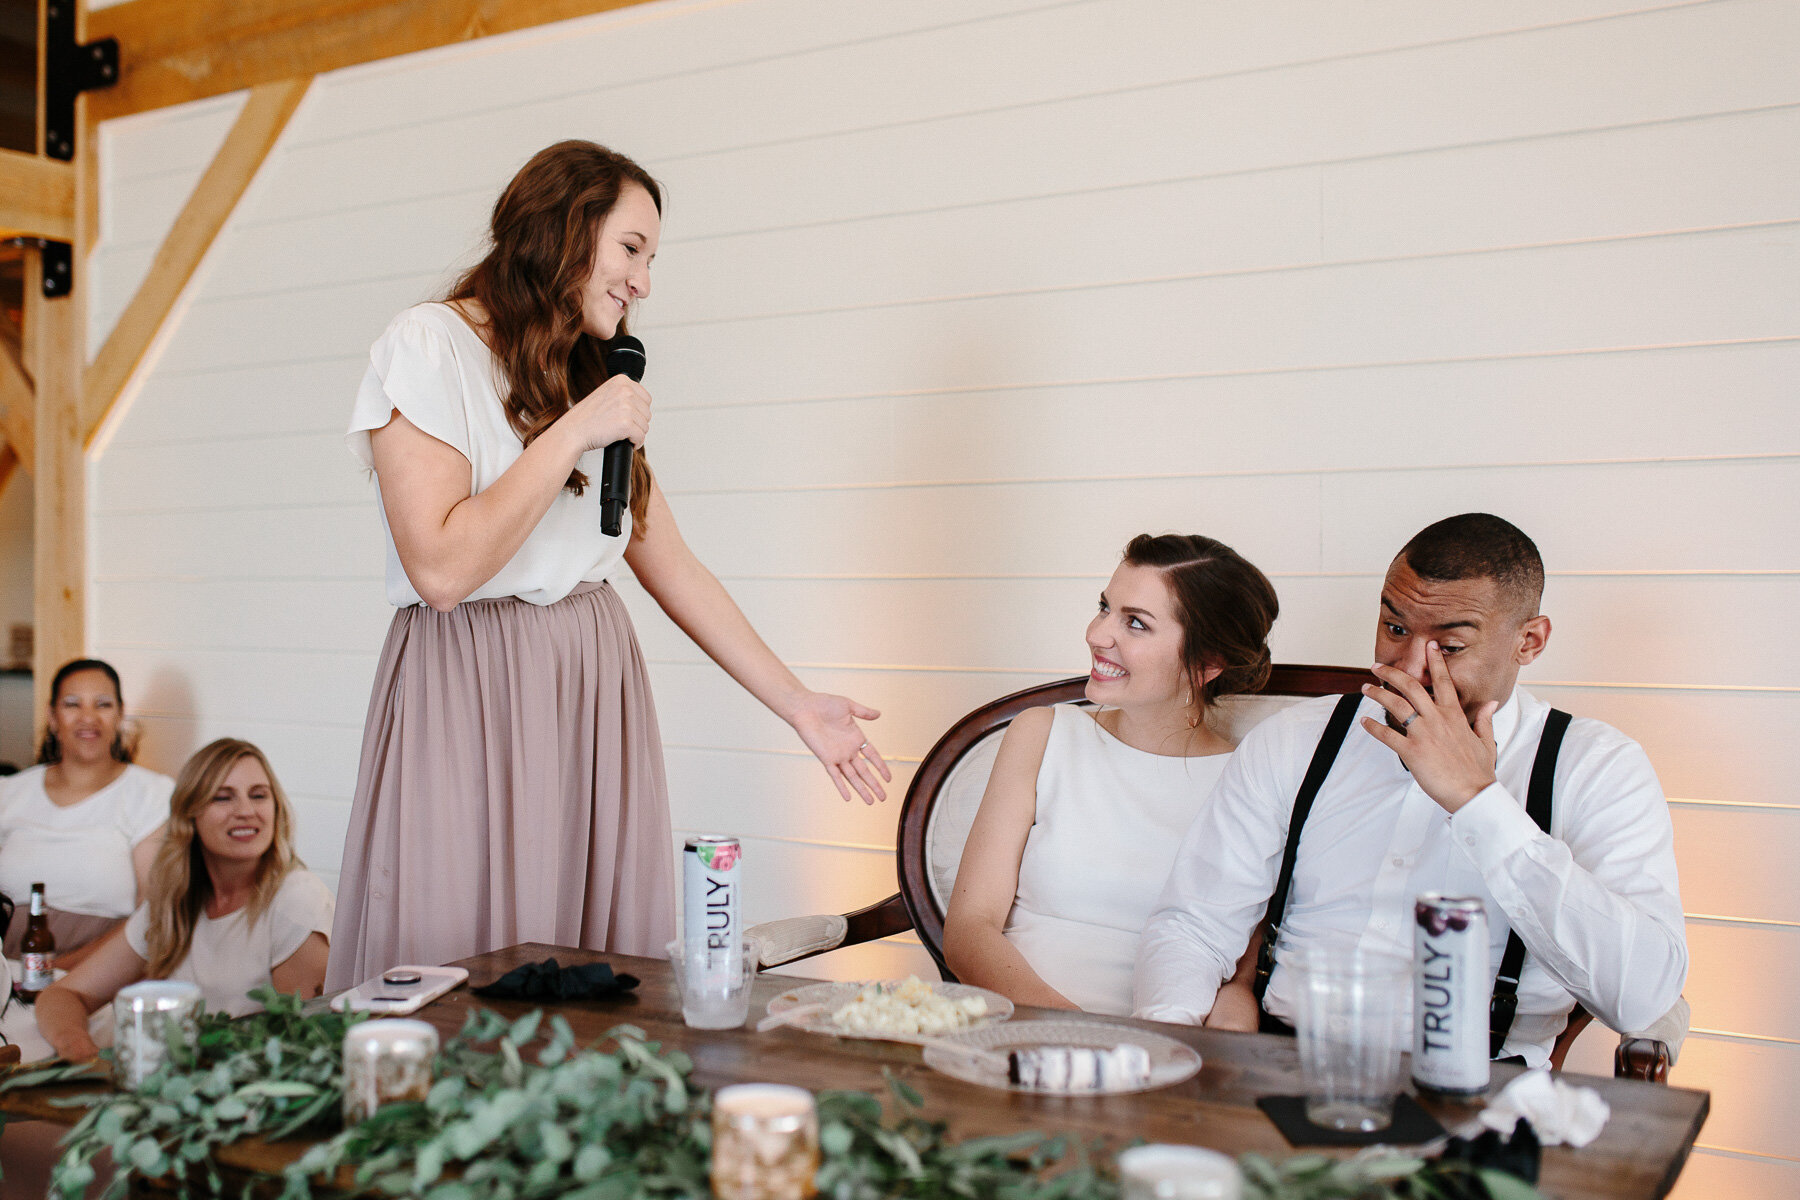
(85, 822)
(1084, 810)
(231, 908)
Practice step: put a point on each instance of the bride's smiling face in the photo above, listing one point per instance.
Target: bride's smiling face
(1135, 642)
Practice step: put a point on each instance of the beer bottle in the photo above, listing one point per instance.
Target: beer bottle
(38, 948)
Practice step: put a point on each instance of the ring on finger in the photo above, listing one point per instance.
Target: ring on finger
(1404, 725)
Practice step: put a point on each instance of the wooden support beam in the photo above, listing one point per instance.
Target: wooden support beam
(18, 407)
(53, 331)
(37, 197)
(264, 116)
(173, 51)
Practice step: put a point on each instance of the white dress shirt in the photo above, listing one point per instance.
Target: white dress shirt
(1596, 902)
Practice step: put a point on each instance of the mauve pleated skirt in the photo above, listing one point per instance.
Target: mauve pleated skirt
(511, 790)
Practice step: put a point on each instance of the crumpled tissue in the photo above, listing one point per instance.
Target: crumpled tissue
(1560, 1112)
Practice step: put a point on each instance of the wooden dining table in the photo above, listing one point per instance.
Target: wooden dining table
(1638, 1155)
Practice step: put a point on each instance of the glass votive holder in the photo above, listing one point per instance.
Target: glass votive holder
(386, 1062)
(1160, 1172)
(150, 1018)
(765, 1142)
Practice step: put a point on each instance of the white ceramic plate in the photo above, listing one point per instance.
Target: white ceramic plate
(824, 999)
(1170, 1061)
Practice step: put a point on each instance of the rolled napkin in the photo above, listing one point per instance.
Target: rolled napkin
(548, 981)
(1560, 1112)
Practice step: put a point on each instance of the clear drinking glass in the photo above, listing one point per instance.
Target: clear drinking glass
(1353, 1014)
(715, 990)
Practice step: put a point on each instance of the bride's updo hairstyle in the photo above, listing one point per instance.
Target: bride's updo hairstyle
(1224, 604)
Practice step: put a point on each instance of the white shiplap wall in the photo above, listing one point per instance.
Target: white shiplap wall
(957, 296)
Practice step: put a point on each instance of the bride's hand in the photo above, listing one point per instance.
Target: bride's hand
(827, 724)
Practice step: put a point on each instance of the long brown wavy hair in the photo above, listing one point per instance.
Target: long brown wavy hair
(180, 884)
(540, 254)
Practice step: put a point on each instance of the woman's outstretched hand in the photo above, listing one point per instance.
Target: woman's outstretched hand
(828, 726)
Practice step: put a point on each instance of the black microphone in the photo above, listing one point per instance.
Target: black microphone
(624, 355)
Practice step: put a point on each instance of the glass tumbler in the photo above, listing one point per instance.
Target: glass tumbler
(1353, 1012)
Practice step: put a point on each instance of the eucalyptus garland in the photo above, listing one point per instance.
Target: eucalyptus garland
(568, 1123)
(271, 1074)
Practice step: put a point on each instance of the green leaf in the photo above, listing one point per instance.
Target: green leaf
(147, 1157)
(525, 1028)
(428, 1166)
(111, 1123)
(590, 1161)
(835, 1139)
(557, 1145)
(278, 1089)
(903, 1091)
(465, 1140)
(1502, 1186)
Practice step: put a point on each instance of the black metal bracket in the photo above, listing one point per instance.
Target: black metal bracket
(69, 70)
(58, 260)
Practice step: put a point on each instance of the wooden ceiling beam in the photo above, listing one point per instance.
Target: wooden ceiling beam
(37, 197)
(265, 114)
(174, 51)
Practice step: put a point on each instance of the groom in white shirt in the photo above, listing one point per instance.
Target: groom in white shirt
(1427, 794)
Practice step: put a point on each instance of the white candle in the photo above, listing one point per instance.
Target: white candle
(765, 1142)
(1178, 1173)
(384, 1062)
(146, 1018)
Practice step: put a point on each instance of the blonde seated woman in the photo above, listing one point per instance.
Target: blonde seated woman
(1084, 811)
(230, 908)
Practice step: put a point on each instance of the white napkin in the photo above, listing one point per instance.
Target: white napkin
(1559, 1112)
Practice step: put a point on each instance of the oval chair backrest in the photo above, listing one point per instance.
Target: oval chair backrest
(952, 778)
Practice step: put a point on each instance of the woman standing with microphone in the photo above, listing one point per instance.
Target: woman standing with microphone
(511, 786)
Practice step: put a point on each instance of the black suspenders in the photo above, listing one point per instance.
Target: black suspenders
(1329, 744)
(1505, 1003)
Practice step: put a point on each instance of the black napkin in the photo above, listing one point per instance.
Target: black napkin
(1520, 1154)
(1411, 1125)
(548, 981)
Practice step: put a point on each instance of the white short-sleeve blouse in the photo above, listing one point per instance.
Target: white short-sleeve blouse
(81, 853)
(434, 369)
(231, 955)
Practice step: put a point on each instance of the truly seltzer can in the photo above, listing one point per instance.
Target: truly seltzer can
(711, 870)
(1452, 985)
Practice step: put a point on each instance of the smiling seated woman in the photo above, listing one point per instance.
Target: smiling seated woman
(230, 909)
(1084, 810)
(85, 821)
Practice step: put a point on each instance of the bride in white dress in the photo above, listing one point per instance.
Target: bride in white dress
(1085, 809)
